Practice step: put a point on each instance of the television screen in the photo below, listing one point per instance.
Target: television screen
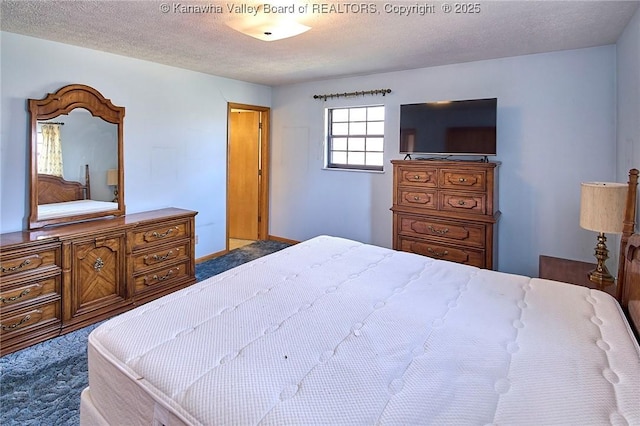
(449, 128)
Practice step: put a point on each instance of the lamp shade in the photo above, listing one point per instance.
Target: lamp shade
(112, 177)
(602, 206)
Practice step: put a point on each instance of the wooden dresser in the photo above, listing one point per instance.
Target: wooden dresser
(447, 210)
(63, 278)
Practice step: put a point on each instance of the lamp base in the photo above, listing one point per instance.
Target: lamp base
(601, 279)
(601, 275)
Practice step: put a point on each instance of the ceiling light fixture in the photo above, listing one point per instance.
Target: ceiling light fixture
(268, 27)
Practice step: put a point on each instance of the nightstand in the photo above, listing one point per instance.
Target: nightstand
(569, 271)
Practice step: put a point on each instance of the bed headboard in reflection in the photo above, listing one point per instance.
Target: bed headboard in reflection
(55, 189)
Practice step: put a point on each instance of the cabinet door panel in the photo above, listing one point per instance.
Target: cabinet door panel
(98, 273)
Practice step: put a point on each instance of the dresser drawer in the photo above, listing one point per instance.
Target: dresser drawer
(412, 197)
(467, 256)
(423, 176)
(29, 292)
(164, 277)
(463, 202)
(23, 320)
(160, 233)
(159, 256)
(461, 179)
(22, 261)
(469, 234)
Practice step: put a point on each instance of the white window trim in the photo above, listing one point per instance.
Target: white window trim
(327, 144)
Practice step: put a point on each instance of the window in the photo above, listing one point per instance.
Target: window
(355, 138)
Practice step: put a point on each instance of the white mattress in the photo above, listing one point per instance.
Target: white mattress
(331, 331)
(71, 208)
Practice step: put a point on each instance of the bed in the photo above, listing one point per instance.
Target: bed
(58, 197)
(332, 331)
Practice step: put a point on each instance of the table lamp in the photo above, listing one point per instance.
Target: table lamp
(112, 180)
(602, 210)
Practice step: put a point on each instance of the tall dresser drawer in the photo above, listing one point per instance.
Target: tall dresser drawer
(463, 202)
(412, 197)
(17, 322)
(43, 258)
(467, 256)
(161, 278)
(464, 180)
(162, 255)
(168, 231)
(470, 234)
(424, 176)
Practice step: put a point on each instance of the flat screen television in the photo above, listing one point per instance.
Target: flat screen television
(466, 127)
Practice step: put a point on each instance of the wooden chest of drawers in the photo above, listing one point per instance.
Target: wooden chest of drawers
(56, 280)
(446, 210)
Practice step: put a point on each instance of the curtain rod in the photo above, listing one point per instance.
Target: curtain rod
(382, 92)
(52, 122)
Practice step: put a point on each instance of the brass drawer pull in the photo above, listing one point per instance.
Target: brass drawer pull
(438, 231)
(416, 198)
(165, 257)
(13, 326)
(416, 177)
(27, 262)
(164, 234)
(461, 202)
(159, 278)
(14, 298)
(437, 253)
(462, 180)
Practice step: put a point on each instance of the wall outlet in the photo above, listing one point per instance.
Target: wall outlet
(196, 239)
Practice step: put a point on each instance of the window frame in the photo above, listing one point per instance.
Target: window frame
(329, 165)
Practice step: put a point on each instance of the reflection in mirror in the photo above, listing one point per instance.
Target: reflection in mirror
(68, 144)
(76, 162)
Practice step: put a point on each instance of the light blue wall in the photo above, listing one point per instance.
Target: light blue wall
(175, 128)
(556, 128)
(628, 111)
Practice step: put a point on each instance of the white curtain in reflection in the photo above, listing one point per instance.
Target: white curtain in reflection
(50, 158)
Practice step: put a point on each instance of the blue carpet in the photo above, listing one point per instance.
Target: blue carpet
(41, 385)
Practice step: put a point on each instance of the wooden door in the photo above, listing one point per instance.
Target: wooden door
(244, 170)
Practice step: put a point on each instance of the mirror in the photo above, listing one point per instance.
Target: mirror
(76, 157)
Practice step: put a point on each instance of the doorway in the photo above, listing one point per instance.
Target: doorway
(247, 174)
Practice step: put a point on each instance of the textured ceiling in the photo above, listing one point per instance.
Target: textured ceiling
(345, 39)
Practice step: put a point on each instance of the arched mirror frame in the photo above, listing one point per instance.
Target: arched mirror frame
(63, 102)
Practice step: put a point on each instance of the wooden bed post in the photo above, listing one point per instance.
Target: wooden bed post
(87, 182)
(628, 229)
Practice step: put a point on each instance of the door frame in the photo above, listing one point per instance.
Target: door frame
(263, 178)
